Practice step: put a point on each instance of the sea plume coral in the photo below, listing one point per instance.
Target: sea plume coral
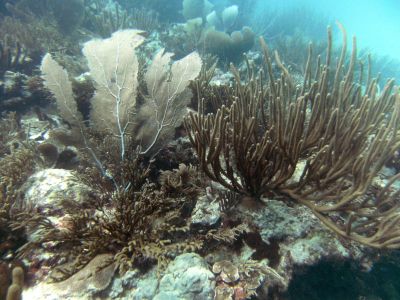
(320, 144)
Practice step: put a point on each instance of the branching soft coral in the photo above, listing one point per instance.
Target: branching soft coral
(127, 216)
(320, 144)
(138, 224)
(15, 168)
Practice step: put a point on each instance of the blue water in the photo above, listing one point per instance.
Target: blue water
(376, 23)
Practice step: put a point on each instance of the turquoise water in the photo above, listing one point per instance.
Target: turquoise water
(375, 23)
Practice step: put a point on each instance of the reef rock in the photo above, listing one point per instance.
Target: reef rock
(91, 280)
(277, 220)
(47, 188)
(45, 191)
(187, 277)
(206, 213)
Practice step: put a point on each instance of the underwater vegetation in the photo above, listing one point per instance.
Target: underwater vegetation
(256, 144)
(127, 215)
(170, 115)
(16, 165)
(116, 86)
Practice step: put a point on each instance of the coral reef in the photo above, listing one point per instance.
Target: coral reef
(12, 56)
(255, 145)
(182, 181)
(131, 171)
(228, 47)
(288, 48)
(10, 133)
(17, 163)
(214, 33)
(163, 107)
(36, 37)
(126, 216)
(105, 17)
(137, 224)
(19, 92)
